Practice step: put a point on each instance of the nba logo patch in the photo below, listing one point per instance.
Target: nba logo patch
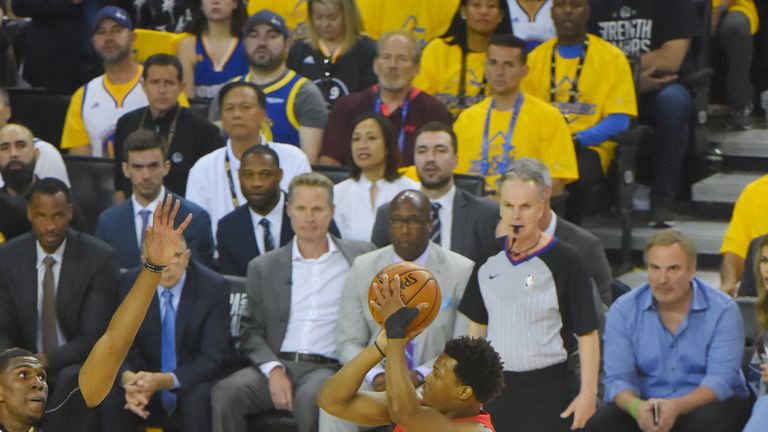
(529, 281)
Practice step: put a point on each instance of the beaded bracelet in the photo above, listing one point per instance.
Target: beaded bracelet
(153, 267)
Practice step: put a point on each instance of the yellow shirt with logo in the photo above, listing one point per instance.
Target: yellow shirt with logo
(294, 12)
(427, 19)
(605, 87)
(747, 7)
(748, 220)
(540, 133)
(440, 75)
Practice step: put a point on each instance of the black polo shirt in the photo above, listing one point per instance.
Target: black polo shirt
(194, 137)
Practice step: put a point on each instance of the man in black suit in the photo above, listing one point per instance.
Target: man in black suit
(200, 305)
(123, 226)
(57, 285)
(462, 222)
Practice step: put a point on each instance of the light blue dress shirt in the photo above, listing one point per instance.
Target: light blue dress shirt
(176, 291)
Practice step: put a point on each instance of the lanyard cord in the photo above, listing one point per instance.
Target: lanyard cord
(507, 147)
(574, 93)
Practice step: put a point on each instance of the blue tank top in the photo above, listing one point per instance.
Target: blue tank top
(209, 76)
(281, 99)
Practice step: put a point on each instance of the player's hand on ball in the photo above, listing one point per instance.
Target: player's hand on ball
(388, 300)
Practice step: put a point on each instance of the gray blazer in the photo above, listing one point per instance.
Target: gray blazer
(356, 329)
(268, 287)
(474, 224)
(593, 256)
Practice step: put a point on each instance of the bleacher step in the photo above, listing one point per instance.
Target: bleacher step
(751, 143)
(723, 187)
(708, 235)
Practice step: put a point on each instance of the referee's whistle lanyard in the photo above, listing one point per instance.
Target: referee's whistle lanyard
(484, 164)
(377, 105)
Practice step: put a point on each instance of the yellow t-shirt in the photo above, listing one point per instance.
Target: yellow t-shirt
(540, 133)
(427, 19)
(747, 7)
(294, 12)
(748, 220)
(605, 87)
(440, 75)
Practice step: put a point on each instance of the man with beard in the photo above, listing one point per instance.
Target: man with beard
(461, 222)
(408, 108)
(295, 105)
(95, 107)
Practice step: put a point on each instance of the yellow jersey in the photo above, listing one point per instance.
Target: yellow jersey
(598, 96)
(539, 132)
(427, 19)
(440, 75)
(294, 12)
(747, 7)
(748, 220)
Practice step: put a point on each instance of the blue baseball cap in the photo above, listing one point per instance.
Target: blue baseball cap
(114, 13)
(266, 16)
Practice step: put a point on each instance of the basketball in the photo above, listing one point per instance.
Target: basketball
(417, 285)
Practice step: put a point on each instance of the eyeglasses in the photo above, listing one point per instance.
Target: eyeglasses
(409, 222)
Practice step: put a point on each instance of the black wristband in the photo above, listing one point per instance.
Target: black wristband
(397, 323)
(154, 268)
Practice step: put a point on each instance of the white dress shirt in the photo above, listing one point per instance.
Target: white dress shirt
(316, 286)
(275, 218)
(550, 231)
(446, 216)
(137, 217)
(49, 164)
(208, 183)
(58, 256)
(354, 213)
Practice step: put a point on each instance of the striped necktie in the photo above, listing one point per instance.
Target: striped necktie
(436, 225)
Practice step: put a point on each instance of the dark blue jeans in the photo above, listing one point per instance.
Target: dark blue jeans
(669, 112)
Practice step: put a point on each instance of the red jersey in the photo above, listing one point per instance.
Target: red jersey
(483, 418)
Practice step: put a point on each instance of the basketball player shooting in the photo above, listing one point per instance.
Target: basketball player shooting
(467, 374)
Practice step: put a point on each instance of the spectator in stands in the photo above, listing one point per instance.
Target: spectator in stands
(674, 344)
(748, 284)
(747, 222)
(161, 15)
(124, 225)
(374, 178)
(214, 53)
(461, 222)
(48, 162)
(294, 12)
(453, 65)
(262, 223)
(336, 56)
(530, 294)
(19, 156)
(595, 109)
(95, 107)
(57, 286)
(659, 33)
(8, 72)
(179, 350)
(188, 136)
(406, 107)
(425, 19)
(293, 301)
(511, 124)
(532, 21)
(295, 106)
(734, 22)
(212, 181)
(57, 46)
(410, 225)
(758, 373)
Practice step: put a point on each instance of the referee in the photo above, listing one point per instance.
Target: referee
(23, 386)
(529, 296)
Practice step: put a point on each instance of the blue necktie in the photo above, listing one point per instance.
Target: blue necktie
(269, 243)
(168, 349)
(144, 224)
(436, 226)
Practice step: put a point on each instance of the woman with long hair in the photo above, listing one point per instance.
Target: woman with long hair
(453, 66)
(374, 180)
(335, 55)
(758, 367)
(214, 53)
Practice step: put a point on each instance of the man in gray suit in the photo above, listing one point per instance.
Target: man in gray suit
(409, 227)
(289, 323)
(463, 223)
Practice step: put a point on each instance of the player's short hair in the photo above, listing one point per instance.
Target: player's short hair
(163, 60)
(478, 365)
(7, 355)
(48, 186)
(261, 98)
(438, 126)
(311, 179)
(511, 41)
(669, 237)
(261, 149)
(144, 139)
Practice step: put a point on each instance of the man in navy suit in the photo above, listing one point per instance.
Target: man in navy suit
(150, 386)
(123, 226)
